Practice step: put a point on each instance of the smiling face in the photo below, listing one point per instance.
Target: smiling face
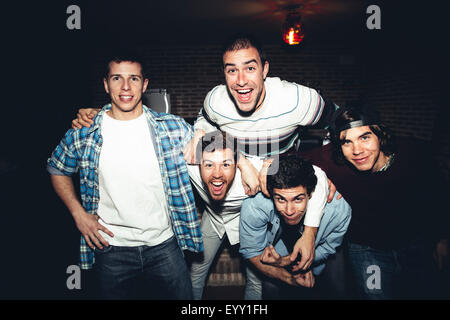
(244, 76)
(125, 85)
(217, 170)
(291, 203)
(361, 147)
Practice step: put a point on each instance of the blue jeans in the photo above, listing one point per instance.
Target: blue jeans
(404, 273)
(161, 268)
(201, 265)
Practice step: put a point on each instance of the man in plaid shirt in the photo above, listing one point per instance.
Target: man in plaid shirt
(137, 210)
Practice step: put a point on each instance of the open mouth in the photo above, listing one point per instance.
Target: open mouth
(244, 95)
(217, 187)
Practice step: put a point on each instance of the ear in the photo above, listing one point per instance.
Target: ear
(105, 84)
(144, 87)
(265, 69)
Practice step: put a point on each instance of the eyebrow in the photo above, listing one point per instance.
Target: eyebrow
(120, 75)
(362, 135)
(225, 160)
(365, 134)
(245, 63)
(300, 194)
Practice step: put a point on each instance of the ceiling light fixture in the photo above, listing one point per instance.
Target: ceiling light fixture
(293, 32)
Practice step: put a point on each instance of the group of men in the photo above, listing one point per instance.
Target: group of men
(137, 167)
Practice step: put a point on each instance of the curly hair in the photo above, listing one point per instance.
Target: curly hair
(293, 171)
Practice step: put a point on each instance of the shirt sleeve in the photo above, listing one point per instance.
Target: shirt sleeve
(202, 124)
(334, 231)
(188, 132)
(316, 205)
(63, 160)
(252, 228)
(311, 106)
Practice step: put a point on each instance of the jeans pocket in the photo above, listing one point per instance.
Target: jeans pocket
(354, 247)
(107, 249)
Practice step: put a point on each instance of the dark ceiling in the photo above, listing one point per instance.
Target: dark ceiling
(209, 21)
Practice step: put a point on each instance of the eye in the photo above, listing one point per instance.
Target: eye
(115, 78)
(228, 164)
(135, 79)
(280, 200)
(251, 68)
(299, 200)
(365, 138)
(232, 70)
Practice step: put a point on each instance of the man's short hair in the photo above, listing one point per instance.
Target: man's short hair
(293, 171)
(214, 141)
(357, 114)
(124, 55)
(244, 41)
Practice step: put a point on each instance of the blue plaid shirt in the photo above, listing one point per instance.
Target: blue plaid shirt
(80, 150)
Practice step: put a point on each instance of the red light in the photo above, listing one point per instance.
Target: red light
(293, 30)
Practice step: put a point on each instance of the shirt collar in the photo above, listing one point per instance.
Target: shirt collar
(99, 116)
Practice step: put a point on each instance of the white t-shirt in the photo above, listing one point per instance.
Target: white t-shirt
(132, 203)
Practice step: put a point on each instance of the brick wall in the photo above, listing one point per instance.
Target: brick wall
(189, 72)
(404, 91)
(408, 94)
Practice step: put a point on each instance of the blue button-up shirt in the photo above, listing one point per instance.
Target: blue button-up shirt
(79, 150)
(260, 225)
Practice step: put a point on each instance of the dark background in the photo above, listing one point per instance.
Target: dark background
(50, 71)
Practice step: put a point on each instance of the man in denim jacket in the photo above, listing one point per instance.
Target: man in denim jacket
(270, 227)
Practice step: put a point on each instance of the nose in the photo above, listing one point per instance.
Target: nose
(357, 149)
(217, 171)
(125, 85)
(290, 208)
(241, 79)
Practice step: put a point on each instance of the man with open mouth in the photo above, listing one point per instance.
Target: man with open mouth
(218, 182)
(263, 114)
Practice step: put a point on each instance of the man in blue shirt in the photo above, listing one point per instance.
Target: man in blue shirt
(137, 210)
(270, 227)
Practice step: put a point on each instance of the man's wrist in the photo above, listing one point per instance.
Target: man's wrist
(312, 231)
(78, 213)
